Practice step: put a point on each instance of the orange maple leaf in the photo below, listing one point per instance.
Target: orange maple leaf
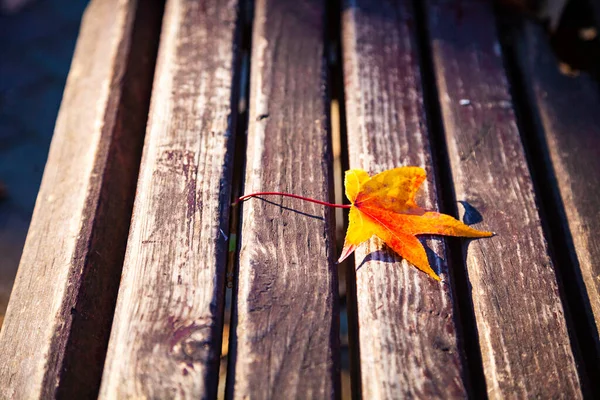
(384, 206)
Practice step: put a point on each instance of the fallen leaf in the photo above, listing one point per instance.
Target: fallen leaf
(384, 206)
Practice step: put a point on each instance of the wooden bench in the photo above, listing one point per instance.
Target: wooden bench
(104, 307)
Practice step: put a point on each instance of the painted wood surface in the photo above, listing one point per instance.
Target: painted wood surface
(520, 319)
(406, 320)
(166, 336)
(56, 330)
(285, 333)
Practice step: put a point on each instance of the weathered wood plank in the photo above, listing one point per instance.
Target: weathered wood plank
(407, 324)
(285, 326)
(519, 316)
(568, 111)
(57, 324)
(166, 336)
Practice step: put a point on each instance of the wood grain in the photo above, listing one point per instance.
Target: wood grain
(57, 325)
(519, 316)
(285, 326)
(407, 324)
(166, 336)
(568, 110)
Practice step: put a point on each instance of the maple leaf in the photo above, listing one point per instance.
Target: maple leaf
(384, 206)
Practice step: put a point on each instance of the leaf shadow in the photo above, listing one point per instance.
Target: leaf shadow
(387, 255)
(290, 209)
(472, 216)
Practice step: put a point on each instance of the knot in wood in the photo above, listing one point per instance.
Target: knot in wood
(194, 343)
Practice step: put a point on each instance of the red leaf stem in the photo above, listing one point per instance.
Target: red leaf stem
(323, 203)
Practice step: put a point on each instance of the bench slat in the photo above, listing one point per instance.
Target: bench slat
(519, 316)
(407, 331)
(568, 109)
(166, 336)
(57, 324)
(285, 331)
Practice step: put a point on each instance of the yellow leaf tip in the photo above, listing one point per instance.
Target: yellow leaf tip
(481, 234)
